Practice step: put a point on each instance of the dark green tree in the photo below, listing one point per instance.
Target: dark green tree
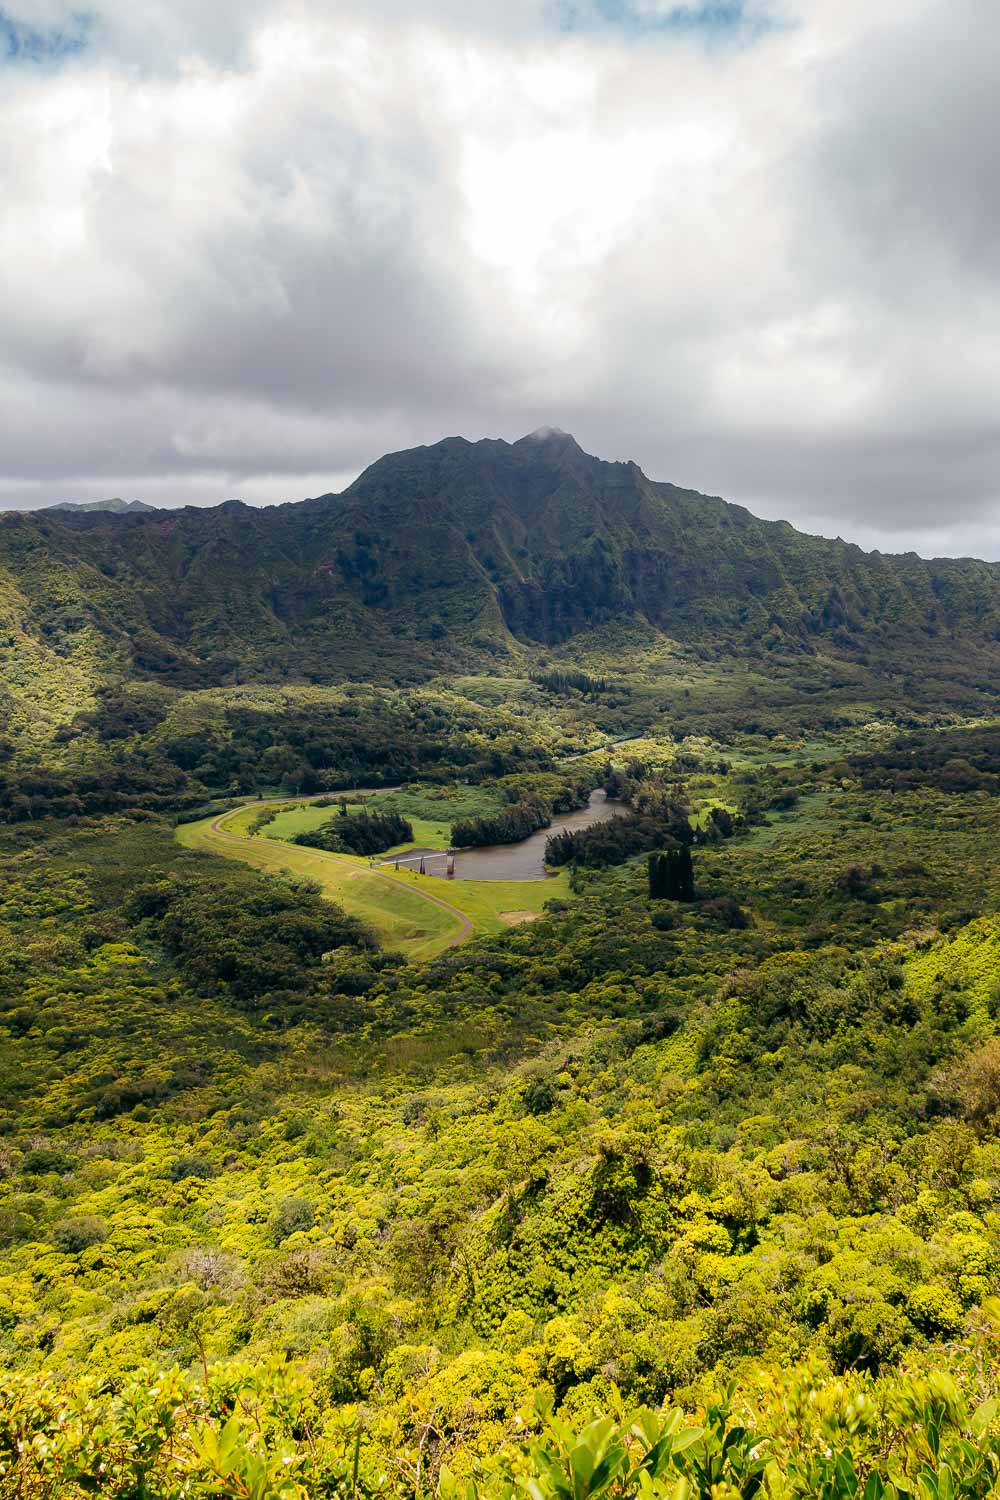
(671, 875)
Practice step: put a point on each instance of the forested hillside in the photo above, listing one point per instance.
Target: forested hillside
(442, 558)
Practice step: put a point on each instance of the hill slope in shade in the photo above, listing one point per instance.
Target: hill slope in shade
(449, 556)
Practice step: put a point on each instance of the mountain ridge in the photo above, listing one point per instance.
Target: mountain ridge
(457, 553)
(116, 506)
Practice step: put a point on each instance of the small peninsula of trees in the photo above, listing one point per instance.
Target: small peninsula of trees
(613, 842)
(359, 833)
(508, 827)
(564, 679)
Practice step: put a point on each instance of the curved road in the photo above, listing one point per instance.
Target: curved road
(465, 929)
(598, 749)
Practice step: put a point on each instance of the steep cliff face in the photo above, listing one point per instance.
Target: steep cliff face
(568, 540)
(442, 556)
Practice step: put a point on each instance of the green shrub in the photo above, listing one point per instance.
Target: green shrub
(74, 1235)
(935, 1310)
(190, 1166)
(291, 1216)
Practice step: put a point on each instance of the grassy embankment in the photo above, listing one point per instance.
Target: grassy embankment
(415, 914)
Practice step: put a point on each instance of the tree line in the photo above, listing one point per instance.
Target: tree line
(358, 833)
(515, 823)
(563, 679)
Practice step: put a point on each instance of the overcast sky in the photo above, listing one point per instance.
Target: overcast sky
(247, 246)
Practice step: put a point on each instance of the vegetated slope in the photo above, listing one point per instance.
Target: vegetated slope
(567, 541)
(449, 555)
(264, 1185)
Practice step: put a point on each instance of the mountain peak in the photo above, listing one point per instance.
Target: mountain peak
(551, 435)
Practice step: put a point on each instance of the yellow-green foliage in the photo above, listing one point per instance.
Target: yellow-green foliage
(257, 1433)
(628, 1148)
(968, 964)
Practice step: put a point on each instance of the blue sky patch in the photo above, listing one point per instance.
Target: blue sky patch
(23, 44)
(714, 19)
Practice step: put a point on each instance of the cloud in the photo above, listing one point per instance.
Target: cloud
(252, 244)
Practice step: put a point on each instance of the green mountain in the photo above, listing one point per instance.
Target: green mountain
(114, 507)
(559, 541)
(449, 556)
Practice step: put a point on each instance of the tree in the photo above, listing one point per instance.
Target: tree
(291, 1216)
(671, 875)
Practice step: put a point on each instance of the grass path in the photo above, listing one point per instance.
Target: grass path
(401, 908)
(419, 924)
(359, 871)
(599, 749)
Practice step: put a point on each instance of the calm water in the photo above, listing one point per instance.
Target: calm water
(523, 861)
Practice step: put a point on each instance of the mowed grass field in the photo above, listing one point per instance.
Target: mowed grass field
(415, 914)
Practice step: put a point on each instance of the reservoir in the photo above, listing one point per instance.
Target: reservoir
(523, 861)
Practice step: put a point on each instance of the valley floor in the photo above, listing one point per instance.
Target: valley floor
(385, 1219)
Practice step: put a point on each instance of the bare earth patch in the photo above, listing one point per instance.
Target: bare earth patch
(515, 918)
